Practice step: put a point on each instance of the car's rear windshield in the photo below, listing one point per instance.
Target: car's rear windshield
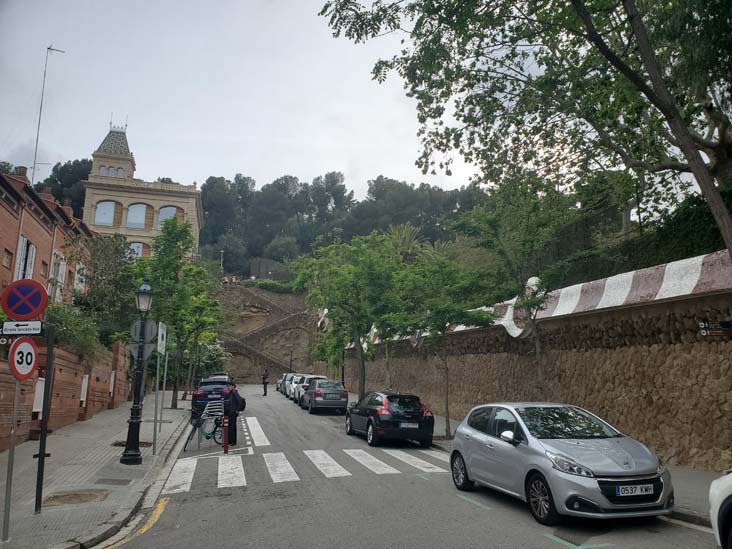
(328, 384)
(404, 403)
(567, 422)
(212, 384)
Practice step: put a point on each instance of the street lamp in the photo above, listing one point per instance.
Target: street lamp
(132, 455)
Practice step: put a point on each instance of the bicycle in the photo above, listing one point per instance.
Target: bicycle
(209, 422)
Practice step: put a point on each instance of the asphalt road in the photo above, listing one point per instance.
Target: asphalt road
(412, 505)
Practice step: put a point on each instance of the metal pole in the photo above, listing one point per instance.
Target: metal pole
(46, 411)
(162, 400)
(155, 415)
(11, 458)
(49, 49)
(132, 455)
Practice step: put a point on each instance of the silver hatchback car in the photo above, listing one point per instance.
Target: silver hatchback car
(562, 460)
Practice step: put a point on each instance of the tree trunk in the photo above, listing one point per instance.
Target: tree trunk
(176, 370)
(361, 366)
(191, 371)
(539, 359)
(448, 430)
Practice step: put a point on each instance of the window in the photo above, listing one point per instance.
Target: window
(480, 419)
(401, 404)
(136, 216)
(7, 259)
(102, 170)
(104, 214)
(565, 422)
(503, 420)
(44, 269)
(166, 213)
(25, 259)
(137, 248)
(377, 400)
(120, 172)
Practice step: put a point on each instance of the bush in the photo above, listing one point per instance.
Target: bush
(275, 286)
(75, 331)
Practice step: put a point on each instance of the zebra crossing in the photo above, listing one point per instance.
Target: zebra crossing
(336, 464)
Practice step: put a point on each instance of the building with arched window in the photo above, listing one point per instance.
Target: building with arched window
(116, 202)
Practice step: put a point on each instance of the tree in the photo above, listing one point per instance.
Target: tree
(565, 88)
(351, 281)
(164, 180)
(6, 167)
(432, 294)
(65, 183)
(219, 208)
(106, 266)
(281, 248)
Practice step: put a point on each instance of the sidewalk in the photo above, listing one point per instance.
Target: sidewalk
(88, 494)
(691, 486)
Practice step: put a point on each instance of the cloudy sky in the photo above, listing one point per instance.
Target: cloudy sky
(258, 87)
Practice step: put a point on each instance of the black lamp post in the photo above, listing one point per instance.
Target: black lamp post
(132, 455)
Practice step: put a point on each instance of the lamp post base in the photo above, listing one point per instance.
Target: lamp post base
(131, 458)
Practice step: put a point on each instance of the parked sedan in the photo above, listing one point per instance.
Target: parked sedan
(288, 383)
(562, 460)
(209, 390)
(720, 505)
(383, 416)
(325, 394)
(296, 382)
(301, 387)
(280, 383)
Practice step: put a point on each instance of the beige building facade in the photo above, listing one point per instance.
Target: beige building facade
(116, 202)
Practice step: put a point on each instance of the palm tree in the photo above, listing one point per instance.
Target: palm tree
(406, 240)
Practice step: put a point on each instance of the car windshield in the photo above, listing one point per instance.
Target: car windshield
(404, 403)
(328, 384)
(212, 384)
(567, 422)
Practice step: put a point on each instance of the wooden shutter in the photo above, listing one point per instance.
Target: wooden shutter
(20, 258)
(149, 217)
(117, 222)
(145, 250)
(31, 261)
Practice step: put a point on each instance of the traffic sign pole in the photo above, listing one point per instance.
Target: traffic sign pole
(50, 340)
(11, 458)
(155, 412)
(162, 400)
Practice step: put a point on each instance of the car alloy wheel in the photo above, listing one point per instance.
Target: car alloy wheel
(540, 501)
(460, 474)
(349, 428)
(371, 436)
(310, 408)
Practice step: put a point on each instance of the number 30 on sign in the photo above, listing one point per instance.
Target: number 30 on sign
(23, 358)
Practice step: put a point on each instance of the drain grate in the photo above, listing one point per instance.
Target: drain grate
(122, 443)
(114, 481)
(75, 498)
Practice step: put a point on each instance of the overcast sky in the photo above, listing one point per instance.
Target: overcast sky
(259, 87)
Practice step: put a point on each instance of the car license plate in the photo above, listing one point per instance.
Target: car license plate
(332, 396)
(410, 425)
(639, 490)
(214, 395)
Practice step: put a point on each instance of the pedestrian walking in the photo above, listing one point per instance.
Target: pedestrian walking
(237, 404)
(265, 381)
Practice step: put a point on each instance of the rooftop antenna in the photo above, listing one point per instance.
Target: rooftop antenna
(49, 49)
(126, 117)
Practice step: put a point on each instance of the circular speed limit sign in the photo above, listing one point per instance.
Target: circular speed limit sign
(23, 358)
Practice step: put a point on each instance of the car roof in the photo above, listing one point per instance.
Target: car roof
(526, 404)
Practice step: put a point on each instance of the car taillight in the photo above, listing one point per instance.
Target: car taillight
(305, 387)
(425, 410)
(344, 394)
(384, 410)
(318, 393)
(198, 393)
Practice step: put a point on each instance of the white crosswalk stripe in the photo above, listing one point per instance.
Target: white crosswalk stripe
(231, 472)
(441, 456)
(181, 476)
(414, 461)
(255, 429)
(279, 468)
(370, 462)
(327, 465)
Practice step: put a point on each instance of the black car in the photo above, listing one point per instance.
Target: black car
(391, 416)
(209, 390)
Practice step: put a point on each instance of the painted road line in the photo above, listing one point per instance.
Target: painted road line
(471, 500)
(181, 476)
(414, 461)
(231, 472)
(441, 456)
(279, 468)
(573, 546)
(370, 462)
(327, 465)
(260, 439)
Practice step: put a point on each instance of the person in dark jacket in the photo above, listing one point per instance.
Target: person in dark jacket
(236, 404)
(265, 381)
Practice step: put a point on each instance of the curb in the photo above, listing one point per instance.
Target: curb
(679, 514)
(107, 530)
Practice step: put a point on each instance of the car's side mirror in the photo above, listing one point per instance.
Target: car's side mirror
(507, 436)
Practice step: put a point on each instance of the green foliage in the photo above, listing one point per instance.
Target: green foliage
(65, 183)
(6, 167)
(108, 274)
(275, 286)
(282, 248)
(76, 331)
